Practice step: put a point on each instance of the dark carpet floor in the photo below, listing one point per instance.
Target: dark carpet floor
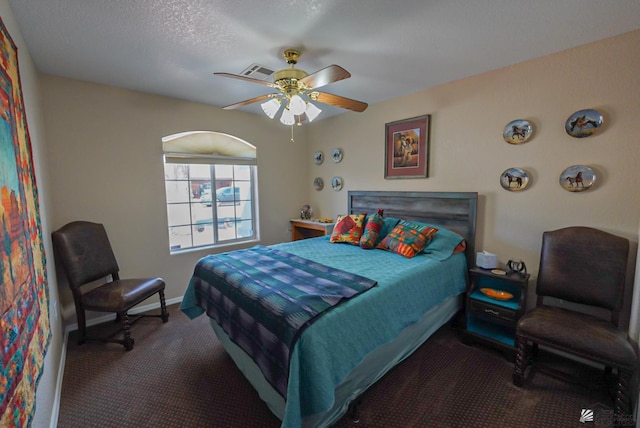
(178, 375)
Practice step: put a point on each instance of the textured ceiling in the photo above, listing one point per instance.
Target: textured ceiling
(391, 48)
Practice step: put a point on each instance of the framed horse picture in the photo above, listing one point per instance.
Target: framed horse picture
(407, 148)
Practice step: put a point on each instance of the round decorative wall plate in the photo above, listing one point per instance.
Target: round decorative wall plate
(336, 155)
(318, 157)
(517, 131)
(514, 179)
(583, 123)
(318, 183)
(336, 183)
(577, 178)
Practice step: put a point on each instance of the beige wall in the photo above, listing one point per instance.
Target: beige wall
(47, 385)
(469, 154)
(105, 155)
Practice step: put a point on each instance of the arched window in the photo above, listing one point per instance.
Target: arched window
(210, 184)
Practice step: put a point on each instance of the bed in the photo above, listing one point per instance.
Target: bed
(347, 348)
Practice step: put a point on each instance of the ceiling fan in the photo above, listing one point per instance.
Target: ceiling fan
(296, 89)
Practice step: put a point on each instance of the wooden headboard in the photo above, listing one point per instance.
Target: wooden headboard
(457, 211)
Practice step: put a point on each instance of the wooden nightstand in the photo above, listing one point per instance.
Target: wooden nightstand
(489, 320)
(303, 229)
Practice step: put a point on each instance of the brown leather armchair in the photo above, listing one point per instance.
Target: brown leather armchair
(84, 251)
(585, 266)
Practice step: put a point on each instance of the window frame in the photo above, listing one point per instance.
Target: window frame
(195, 150)
(216, 216)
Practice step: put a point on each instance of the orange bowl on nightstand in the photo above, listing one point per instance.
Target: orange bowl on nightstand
(496, 294)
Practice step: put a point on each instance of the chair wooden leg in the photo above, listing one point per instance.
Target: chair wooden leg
(164, 314)
(623, 404)
(82, 325)
(126, 328)
(521, 361)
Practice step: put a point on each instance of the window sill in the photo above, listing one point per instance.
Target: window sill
(236, 245)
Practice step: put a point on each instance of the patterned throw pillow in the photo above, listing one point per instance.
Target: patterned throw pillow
(388, 223)
(407, 239)
(348, 229)
(371, 231)
(444, 244)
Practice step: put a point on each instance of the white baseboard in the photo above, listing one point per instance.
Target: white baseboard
(55, 412)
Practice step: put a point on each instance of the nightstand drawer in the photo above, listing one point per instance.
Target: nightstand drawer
(482, 308)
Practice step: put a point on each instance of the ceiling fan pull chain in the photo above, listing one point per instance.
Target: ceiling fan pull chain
(292, 140)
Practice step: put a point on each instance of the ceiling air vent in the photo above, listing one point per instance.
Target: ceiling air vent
(257, 71)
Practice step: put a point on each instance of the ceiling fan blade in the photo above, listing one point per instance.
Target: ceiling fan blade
(246, 79)
(343, 102)
(330, 74)
(249, 101)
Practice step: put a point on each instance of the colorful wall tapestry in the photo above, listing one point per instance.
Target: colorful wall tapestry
(24, 294)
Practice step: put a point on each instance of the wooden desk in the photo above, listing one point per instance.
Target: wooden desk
(303, 229)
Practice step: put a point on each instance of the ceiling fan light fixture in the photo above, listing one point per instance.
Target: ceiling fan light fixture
(271, 107)
(312, 111)
(294, 89)
(297, 105)
(287, 117)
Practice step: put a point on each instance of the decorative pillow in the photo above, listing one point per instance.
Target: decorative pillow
(387, 226)
(461, 247)
(444, 244)
(371, 231)
(348, 229)
(407, 239)
(379, 212)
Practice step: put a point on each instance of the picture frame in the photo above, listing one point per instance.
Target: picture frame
(406, 152)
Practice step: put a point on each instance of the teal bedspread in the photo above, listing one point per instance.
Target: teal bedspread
(264, 298)
(339, 340)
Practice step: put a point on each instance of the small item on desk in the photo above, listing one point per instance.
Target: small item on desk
(498, 272)
(486, 260)
(325, 220)
(306, 212)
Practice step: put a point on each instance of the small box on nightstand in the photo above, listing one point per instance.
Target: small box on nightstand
(486, 260)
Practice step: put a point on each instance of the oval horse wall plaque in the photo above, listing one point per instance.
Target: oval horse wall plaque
(517, 131)
(583, 123)
(577, 178)
(514, 179)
